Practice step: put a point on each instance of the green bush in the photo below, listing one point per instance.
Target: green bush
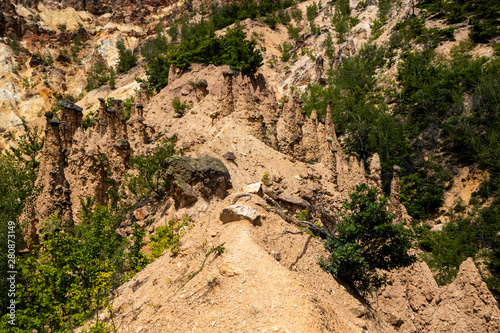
(127, 106)
(99, 75)
(154, 47)
(422, 192)
(285, 51)
(367, 240)
(112, 78)
(75, 48)
(173, 32)
(293, 32)
(127, 59)
(89, 120)
(137, 258)
(167, 237)
(19, 170)
(14, 44)
(180, 108)
(149, 175)
(312, 12)
(297, 15)
(341, 19)
(62, 281)
(157, 70)
(483, 16)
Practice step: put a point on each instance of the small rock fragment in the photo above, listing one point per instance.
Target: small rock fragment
(229, 156)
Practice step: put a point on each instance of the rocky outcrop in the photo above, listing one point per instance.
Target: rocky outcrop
(227, 97)
(287, 130)
(77, 163)
(192, 178)
(413, 302)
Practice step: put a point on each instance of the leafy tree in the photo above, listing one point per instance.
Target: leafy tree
(153, 47)
(29, 146)
(367, 240)
(19, 170)
(157, 72)
(68, 276)
(422, 192)
(483, 16)
(149, 174)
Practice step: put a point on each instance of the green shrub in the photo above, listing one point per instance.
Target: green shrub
(127, 106)
(112, 78)
(302, 215)
(75, 48)
(14, 44)
(293, 32)
(285, 48)
(89, 120)
(137, 258)
(297, 15)
(200, 45)
(180, 108)
(153, 47)
(149, 174)
(367, 240)
(483, 16)
(127, 59)
(173, 32)
(312, 12)
(19, 170)
(384, 7)
(167, 237)
(265, 178)
(422, 193)
(62, 281)
(341, 19)
(99, 75)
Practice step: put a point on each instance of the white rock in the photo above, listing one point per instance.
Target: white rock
(253, 188)
(235, 213)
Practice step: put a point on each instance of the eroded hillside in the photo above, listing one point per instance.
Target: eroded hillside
(248, 159)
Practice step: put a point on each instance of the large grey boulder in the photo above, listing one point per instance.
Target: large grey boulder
(191, 178)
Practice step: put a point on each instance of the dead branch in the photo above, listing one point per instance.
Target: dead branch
(286, 232)
(321, 231)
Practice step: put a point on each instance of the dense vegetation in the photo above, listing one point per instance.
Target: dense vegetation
(439, 114)
(483, 15)
(19, 169)
(67, 277)
(199, 44)
(367, 240)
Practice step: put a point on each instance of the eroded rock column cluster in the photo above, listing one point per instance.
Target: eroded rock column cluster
(59, 133)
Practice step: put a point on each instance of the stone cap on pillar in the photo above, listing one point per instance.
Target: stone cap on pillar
(70, 105)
